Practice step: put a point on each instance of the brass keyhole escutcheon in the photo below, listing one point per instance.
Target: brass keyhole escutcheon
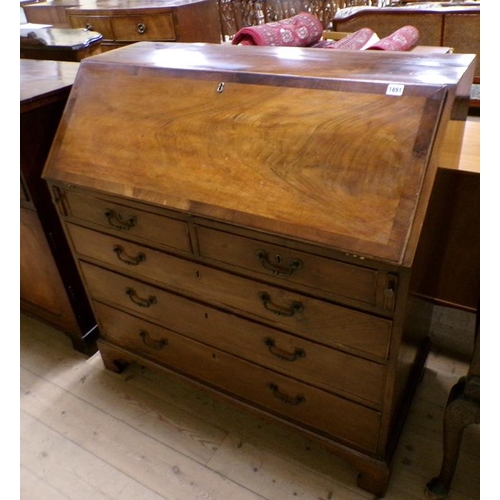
(220, 87)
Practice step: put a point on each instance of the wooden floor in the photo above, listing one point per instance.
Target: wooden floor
(90, 434)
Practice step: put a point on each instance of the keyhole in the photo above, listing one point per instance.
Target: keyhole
(220, 87)
(278, 258)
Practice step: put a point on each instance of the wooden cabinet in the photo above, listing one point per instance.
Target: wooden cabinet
(129, 21)
(51, 288)
(159, 20)
(249, 218)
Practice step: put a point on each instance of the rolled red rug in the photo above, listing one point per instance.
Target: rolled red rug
(301, 30)
(358, 40)
(404, 38)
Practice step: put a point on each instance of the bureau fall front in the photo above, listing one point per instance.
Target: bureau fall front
(249, 218)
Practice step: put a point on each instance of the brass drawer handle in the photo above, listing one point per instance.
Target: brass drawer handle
(280, 310)
(119, 222)
(131, 261)
(278, 268)
(299, 398)
(151, 343)
(281, 353)
(138, 300)
(141, 28)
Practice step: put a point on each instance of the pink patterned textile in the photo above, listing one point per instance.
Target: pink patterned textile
(404, 38)
(301, 30)
(358, 40)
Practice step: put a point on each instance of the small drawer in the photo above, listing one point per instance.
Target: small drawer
(297, 402)
(316, 320)
(318, 273)
(156, 27)
(101, 24)
(332, 370)
(129, 222)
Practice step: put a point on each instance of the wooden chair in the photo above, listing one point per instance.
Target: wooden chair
(237, 14)
(462, 410)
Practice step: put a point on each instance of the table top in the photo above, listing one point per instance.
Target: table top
(58, 38)
(40, 79)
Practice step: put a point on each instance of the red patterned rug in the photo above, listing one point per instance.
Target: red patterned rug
(404, 38)
(358, 40)
(301, 30)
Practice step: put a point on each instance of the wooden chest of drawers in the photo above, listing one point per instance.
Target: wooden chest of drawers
(159, 20)
(249, 218)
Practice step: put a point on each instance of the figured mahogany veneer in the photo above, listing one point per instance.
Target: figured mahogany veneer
(249, 218)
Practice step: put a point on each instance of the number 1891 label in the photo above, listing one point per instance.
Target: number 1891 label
(394, 89)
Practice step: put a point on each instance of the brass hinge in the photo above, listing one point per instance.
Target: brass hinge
(57, 198)
(390, 292)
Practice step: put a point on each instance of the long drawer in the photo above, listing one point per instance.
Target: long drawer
(295, 401)
(327, 368)
(132, 222)
(317, 320)
(135, 28)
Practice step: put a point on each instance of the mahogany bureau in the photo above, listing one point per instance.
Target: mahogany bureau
(249, 218)
(51, 287)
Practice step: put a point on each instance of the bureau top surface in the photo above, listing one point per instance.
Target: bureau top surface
(41, 79)
(329, 147)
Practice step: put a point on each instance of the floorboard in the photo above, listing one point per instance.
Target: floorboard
(90, 434)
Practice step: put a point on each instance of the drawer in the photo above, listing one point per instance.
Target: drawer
(156, 27)
(292, 400)
(129, 222)
(329, 369)
(101, 24)
(316, 320)
(331, 276)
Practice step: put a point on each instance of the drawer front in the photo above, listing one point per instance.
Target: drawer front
(329, 369)
(290, 399)
(316, 320)
(101, 24)
(129, 222)
(293, 266)
(157, 27)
